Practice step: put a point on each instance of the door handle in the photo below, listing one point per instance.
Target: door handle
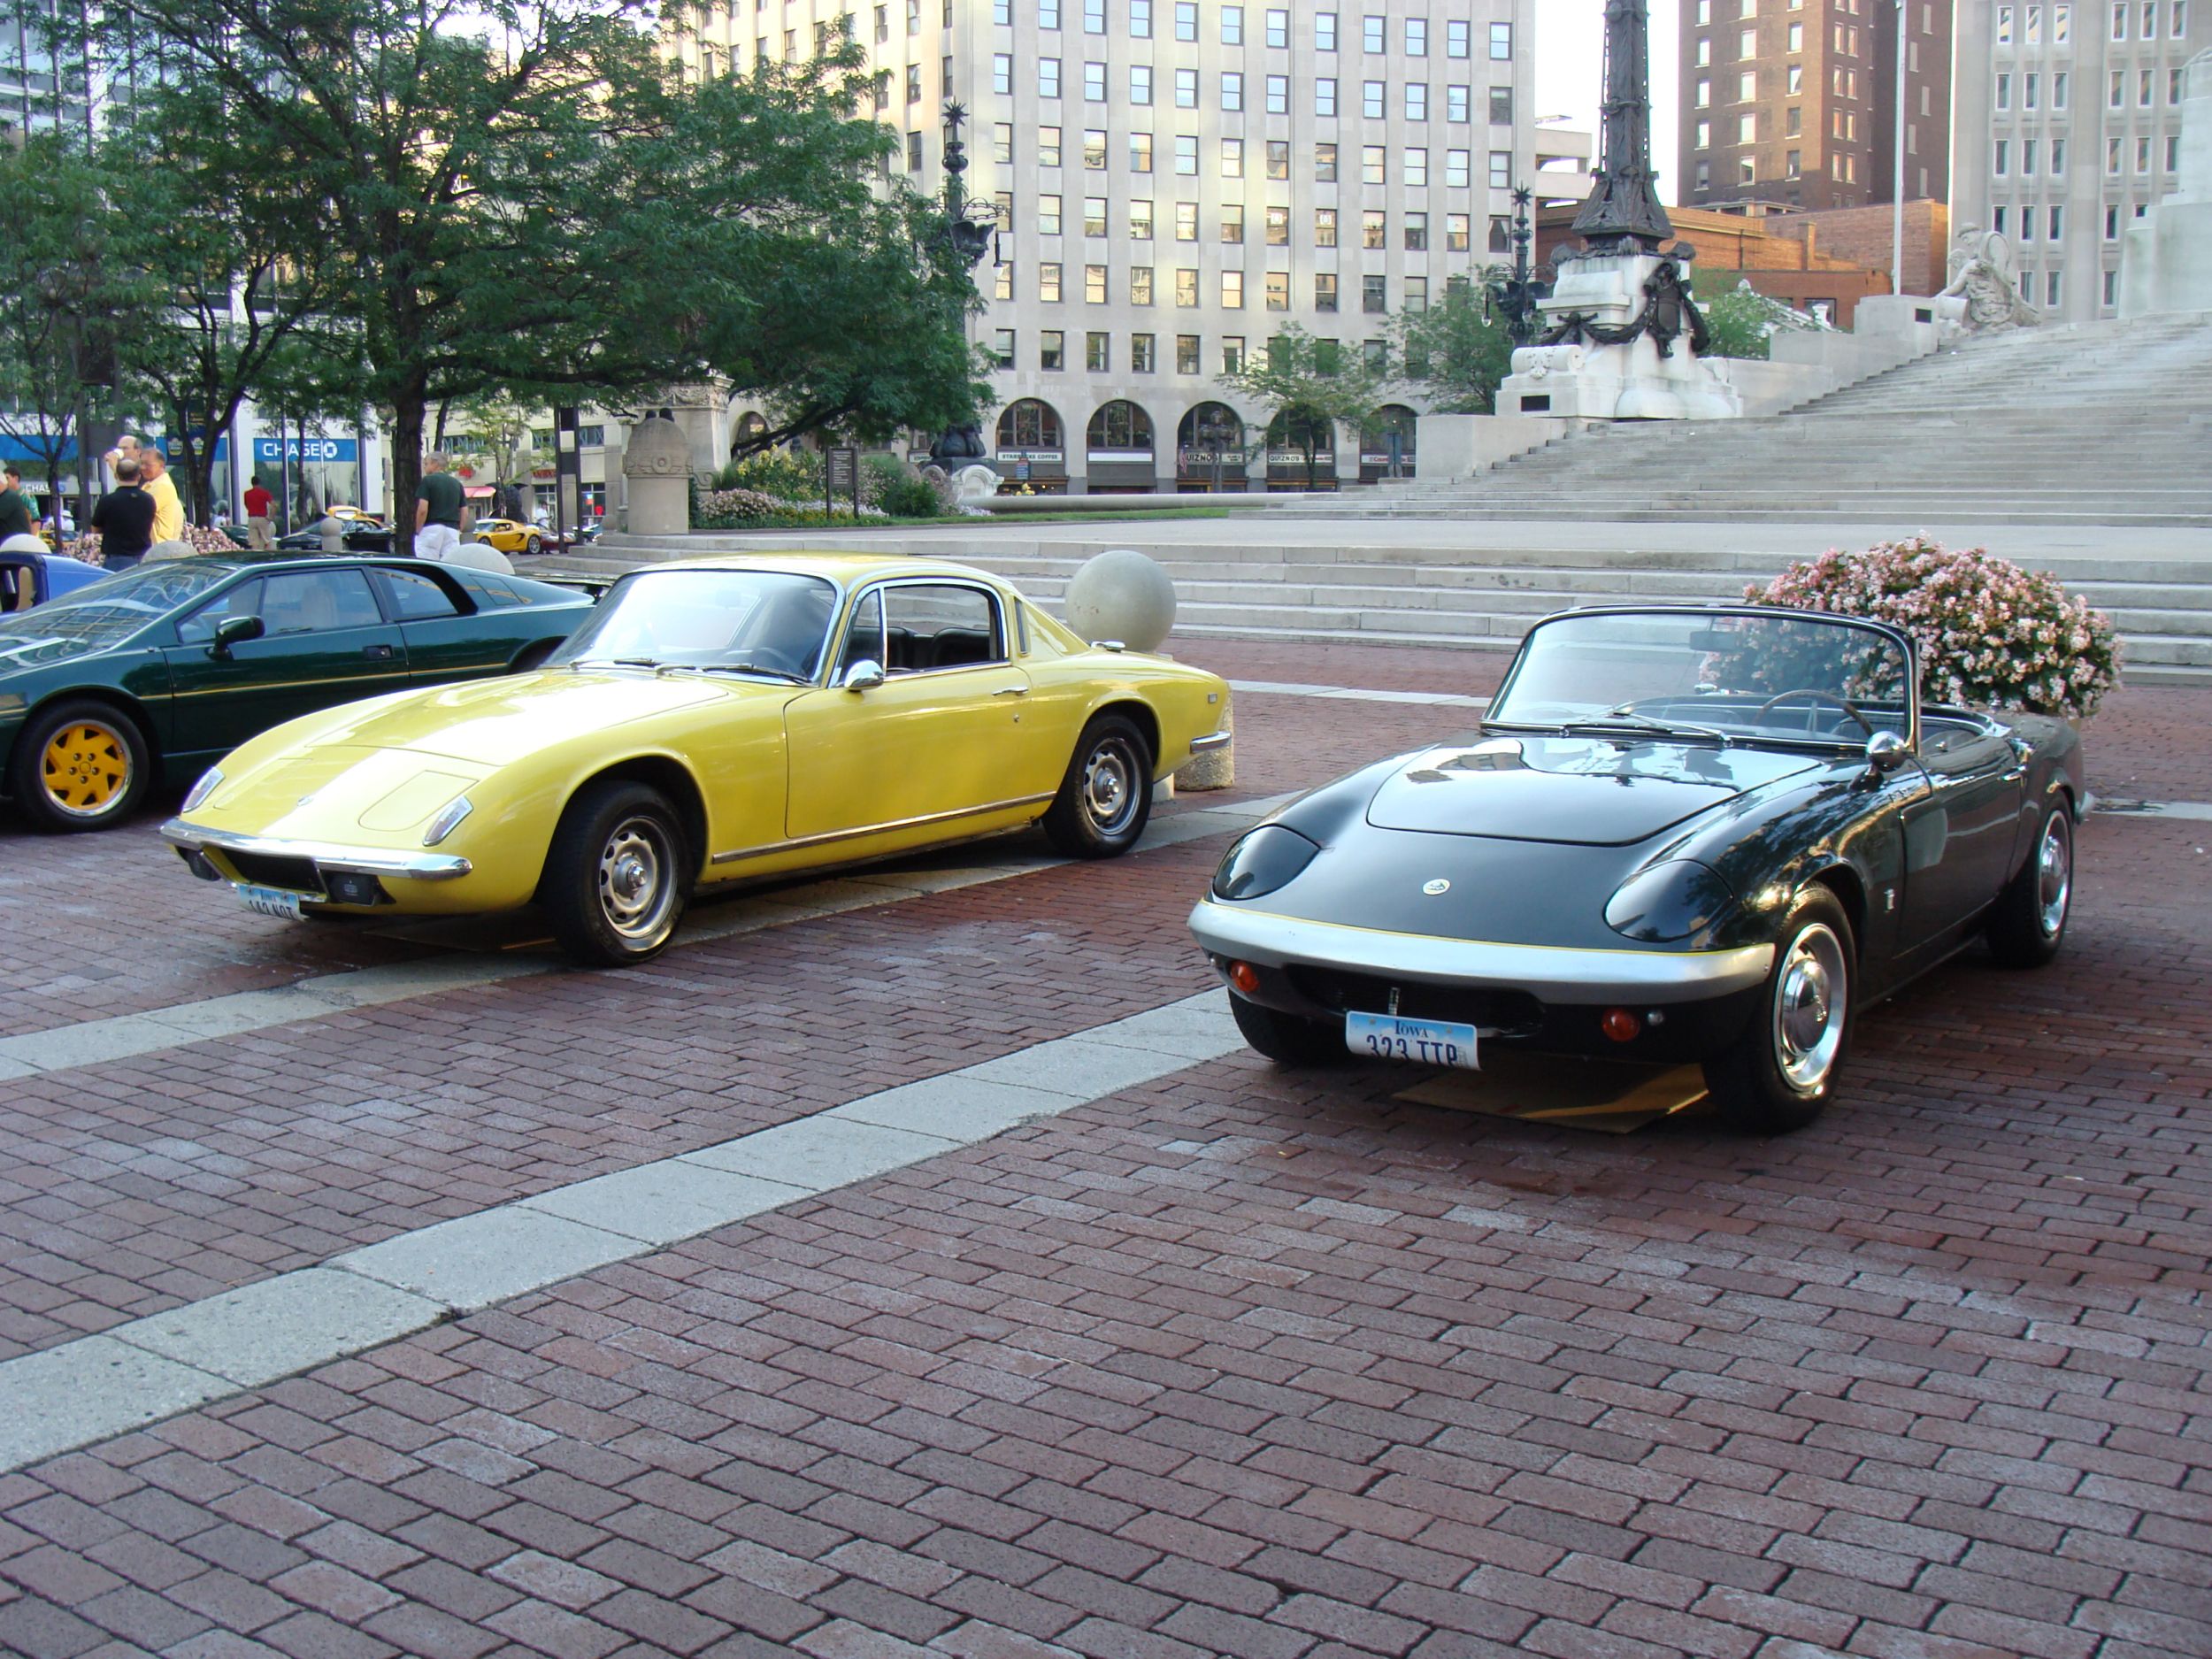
(1011, 691)
(380, 652)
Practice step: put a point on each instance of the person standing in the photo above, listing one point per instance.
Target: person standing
(125, 518)
(437, 509)
(260, 516)
(153, 469)
(15, 511)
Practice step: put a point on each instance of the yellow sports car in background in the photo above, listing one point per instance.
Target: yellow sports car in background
(709, 722)
(508, 535)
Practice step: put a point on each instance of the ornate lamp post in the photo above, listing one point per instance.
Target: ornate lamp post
(970, 229)
(1513, 294)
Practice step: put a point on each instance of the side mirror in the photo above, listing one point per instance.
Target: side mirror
(1885, 752)
(865, 675)
(235, 631)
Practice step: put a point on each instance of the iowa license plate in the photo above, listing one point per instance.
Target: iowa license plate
(269, 900)
(1423, 1041)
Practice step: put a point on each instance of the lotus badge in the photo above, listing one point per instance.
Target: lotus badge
(1439, 886)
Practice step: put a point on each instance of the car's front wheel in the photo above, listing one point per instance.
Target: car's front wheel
(79, 765)
(1285, 1038)
(1106, 797)
(533, 546)
(2028, 923)
(1782, 1069)
(618, 875)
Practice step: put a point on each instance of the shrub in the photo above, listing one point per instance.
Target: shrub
(911, 497)
(751, 509)
(880, 473)
(777, 473)
(1990, 634)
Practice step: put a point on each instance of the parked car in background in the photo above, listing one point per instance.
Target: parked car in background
(28, 579)
(362, 535)
(714, 721)
(509, 535)
(148, 674)
(1684, 834)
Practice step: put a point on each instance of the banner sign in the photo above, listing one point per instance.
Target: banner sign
(337, 450)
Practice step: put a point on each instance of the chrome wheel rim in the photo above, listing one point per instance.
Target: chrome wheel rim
(1110, 786)
(1812, 994)
(2054, 876)
(637, 892)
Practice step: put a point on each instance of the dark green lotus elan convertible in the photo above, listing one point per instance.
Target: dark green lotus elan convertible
(152, 674)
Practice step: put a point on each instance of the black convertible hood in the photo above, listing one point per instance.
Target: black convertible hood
(1591, 791)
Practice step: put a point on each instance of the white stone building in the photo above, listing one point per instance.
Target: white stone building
(1181, 178)
(2067, 131)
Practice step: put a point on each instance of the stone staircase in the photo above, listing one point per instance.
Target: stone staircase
(2105, 423)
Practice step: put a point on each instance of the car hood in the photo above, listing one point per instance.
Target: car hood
(497, 722)
(1587, 791)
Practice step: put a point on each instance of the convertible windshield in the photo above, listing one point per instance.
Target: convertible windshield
(117, 605)
(1692, 675)
(762, 622)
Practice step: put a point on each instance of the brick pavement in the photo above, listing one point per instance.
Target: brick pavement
(1241, 1362)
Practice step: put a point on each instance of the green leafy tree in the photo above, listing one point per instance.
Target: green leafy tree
(1457, 352)
(1740, 322)
(1312, 386)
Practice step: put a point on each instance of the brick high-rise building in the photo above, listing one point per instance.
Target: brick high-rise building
(1180, 179)
(1792, 103)
(2069, 131)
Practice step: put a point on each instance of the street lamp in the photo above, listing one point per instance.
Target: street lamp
(1513, 294)
(970, 231)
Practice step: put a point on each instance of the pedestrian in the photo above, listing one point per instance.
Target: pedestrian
(15, 511)
(153, 470)
(260, 518)
(437, 507)
(125, 518)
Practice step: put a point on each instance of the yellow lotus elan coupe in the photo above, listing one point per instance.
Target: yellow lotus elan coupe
(711, 721)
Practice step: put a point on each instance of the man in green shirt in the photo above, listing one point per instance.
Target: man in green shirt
(15, 511)
(437, 509)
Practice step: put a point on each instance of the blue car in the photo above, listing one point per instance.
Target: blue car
(32, 579)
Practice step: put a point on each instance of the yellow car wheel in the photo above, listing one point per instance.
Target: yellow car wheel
(618, 874)
(79, 765)
(1106, 797)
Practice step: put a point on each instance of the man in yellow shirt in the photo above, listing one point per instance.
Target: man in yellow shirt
(155, 480)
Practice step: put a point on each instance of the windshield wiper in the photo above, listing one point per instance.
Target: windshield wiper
(612, 662)
(784, 674)
(1619, 720)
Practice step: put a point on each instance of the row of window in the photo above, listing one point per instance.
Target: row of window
(2131, 20)
(1374, 288)
(2116, 156)
(1374, 227)
(1843, 168)
(1142, 351)
(1750, 9)
(1748, 44)
(1275, 24)
(1233, 86)
(1413, 172)
(2144, 85)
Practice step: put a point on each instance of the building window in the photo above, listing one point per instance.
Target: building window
(1141, 223)
(1233, 222)
(1052, 349)
(1094, 83)
(2050, 287)
(1747, 87)
(1048, 77)
(1324, 290)
(1416, 229)
(1456, 44)
(1187, 89)
(1417, 100)
(1094, 150)
(1140, 84)
(1457, 106)
(1186, 289)
(1324, 164)
(1277, 290)
(1187, 354)
(1415, 168)
(1049, 282)
(1374, 228)
(1002, 280)
(1232, 353)
(1093, 216)
(1457, 233)
(1185, 153)
(1501, 169)
(1097, 354)
(1501, 43)
(1232, 290)
(1140, 352)
(1047, 146)
(1746, 129)
(1186, 20)
(1797, 37)
(1325, 96)
(1371, 99)
(1233, 158)
(1704, 139)
(1278, 94)
(1141, 19)
(1374, 34)
(1003, 142)
(1795, 80)
(1232, 25)
(1417, 293)
(1048, 14)
(1002, 348)
(1277, 231)
(1048, 216)
(913, 152)
(1187, 221)
(1279, 159)
(1324, 227)
(913, 84)
(1231, 91)
(1456, 175)
(1278, 29)
(1003, 73)
(1374, 167)
(1704, 93)
(1374, 294)
(1501, 106)
(1093, 17)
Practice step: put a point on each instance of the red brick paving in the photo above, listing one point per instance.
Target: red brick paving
(1243, 1363)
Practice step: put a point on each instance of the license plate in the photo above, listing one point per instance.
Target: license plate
(269, 900)
(1425, 1042)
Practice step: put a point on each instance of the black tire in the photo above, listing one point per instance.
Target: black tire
(2028, 923)
(80, 764)
(1106, 797)
(1780, 1074)
(1286, 1039)
(618, 875)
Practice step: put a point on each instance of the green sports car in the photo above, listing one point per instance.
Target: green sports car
(154, 672)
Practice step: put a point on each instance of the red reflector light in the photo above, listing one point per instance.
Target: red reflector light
(1620, 1024)
(1245, 977)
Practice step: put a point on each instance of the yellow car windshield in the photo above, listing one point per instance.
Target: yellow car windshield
(771, 622)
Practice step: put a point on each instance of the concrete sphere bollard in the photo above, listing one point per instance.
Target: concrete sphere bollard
(1121, 595)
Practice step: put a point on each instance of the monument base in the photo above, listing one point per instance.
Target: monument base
(1634, 381)
(2166, 263)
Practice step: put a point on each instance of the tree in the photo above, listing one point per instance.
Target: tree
(1457, 352)
(1311, 385)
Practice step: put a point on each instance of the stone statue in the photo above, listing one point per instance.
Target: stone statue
(1983, 296)
(657, 465)
(975, 483)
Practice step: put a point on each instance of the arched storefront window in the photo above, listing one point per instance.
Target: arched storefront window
(1029, 424)
(1300, 452)
(751, 427)
(1386, 446)
(1033, 456)
(1210, 451)
(1122, 428)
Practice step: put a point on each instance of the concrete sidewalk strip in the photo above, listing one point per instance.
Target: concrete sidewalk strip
(99, 1386)
(1355, 694)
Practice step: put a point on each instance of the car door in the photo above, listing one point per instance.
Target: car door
(448, 635)
(324, 641)
(943, 737)
(1959, 837)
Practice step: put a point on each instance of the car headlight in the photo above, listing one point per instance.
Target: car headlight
(448, 820)
(204, 788)
(1669, 901)
(1269, 857)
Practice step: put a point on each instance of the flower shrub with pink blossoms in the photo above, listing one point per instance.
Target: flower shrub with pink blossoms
(1991, 635)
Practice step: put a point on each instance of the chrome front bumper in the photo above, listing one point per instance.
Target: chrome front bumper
(1207, 745)
(356, 861)
(1549, 973)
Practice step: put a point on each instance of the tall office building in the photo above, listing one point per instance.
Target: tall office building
(1792, 103)
(2069, 131)
(1181, 178)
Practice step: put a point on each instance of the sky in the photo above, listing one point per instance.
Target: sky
(1570, 72)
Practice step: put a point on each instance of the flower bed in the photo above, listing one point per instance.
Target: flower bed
(755, 510)
(86, 546)
(1991, 635)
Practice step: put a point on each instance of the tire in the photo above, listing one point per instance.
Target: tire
(1286, 1039)
(1782, 1069)
(1106, 797)
(618, 874)
(80, 764)
(533, 546)
(2028, 923)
